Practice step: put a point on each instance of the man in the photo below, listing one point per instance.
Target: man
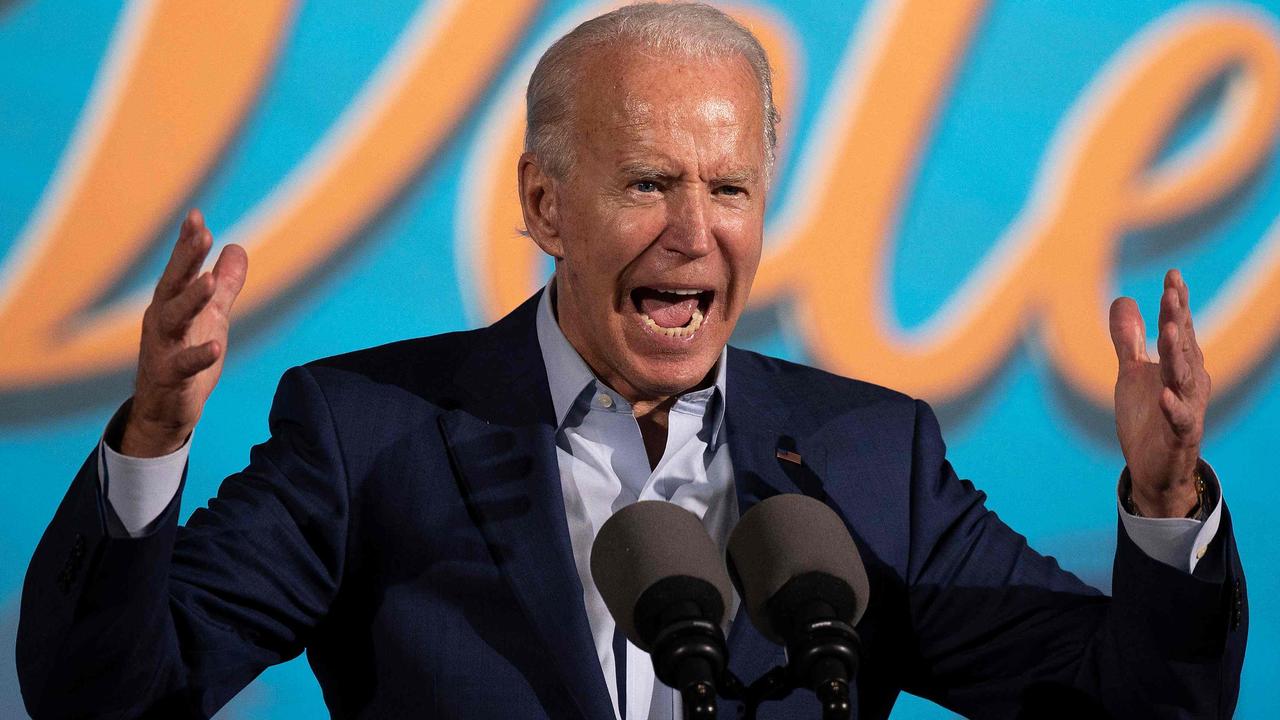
(420, 519)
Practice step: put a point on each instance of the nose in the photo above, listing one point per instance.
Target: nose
(689, 225)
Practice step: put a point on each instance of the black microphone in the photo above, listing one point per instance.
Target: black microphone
(665, 584)
(804, 586)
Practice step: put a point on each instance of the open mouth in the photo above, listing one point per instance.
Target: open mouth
(673, 312)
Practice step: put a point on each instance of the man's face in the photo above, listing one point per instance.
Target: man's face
(659, 223)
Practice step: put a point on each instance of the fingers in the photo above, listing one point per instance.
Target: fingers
(194, 241)
(1170, 305)
(1179, 413)
(1181, 359)
(181, 295)
(188, 316)
(1175, 369)
(177, 314)
(1128, 332)
(1175, 280)
(192, 360)
(191, 224)
(229, 273)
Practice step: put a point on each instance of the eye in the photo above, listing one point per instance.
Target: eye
(646, 186)
(731, 190)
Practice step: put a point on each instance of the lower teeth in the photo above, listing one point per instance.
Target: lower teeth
(689, 329)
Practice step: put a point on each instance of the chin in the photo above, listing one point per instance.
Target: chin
(669, 377)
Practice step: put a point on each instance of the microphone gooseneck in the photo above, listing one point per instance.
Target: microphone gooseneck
(804, 586)
(666, 587)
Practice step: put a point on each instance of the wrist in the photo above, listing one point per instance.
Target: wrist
(1182, 499)
(141, 437)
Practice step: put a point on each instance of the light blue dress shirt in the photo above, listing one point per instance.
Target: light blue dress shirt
(604, 467)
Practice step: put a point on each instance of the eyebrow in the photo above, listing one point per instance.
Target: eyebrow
(644, 170)
(640, 169)
(741, 176)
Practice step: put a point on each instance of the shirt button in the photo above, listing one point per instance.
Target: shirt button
(605, 401)
(1201, 551)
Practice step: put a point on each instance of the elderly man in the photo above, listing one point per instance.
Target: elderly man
(420, 519)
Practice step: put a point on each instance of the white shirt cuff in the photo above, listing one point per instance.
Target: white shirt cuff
(139, 489)
(1176, 542)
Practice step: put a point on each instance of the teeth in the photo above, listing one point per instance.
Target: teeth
(683, 292)
(695, 322)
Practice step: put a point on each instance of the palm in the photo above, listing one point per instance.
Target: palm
(1160, 406)
(184, 340)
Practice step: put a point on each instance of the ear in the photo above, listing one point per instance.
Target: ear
(538, 203)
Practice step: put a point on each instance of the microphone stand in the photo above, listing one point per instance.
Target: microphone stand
(688, 655)
(823, 655)
(825, 649)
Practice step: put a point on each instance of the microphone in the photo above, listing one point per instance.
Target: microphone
(804, 586)
(664, 582)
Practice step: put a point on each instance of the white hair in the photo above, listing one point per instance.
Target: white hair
(691, 30)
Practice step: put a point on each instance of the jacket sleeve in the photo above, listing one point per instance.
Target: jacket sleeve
(1002, 631)
(176, 622)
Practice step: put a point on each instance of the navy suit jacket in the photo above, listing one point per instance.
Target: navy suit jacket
(404, 526)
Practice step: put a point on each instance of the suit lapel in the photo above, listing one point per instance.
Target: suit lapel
(761, 428)
(759, 425)
(502, 444)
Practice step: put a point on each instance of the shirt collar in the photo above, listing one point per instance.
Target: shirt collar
(569, 377)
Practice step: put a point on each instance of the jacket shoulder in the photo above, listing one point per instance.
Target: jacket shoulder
(833, 391)
(418, 368)
(414, 355)
(429, 365)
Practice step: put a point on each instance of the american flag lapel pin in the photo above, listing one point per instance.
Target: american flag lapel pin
(791, 457)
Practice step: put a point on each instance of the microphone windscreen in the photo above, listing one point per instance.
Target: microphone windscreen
(787, 536)
(651, 541)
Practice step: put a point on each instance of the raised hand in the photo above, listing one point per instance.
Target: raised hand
(184, 341)
(1160, 406)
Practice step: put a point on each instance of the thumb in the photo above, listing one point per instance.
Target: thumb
(230, 272)
(1128, 332)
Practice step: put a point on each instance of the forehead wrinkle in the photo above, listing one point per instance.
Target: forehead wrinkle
(712, 111)
(632, 115)
(637, 154)
(646, 123)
